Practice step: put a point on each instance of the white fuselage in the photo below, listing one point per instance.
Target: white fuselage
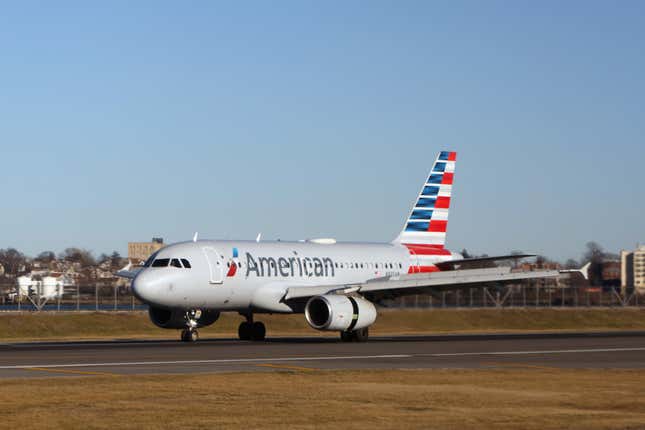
(248, 275)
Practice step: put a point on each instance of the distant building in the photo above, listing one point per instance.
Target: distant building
(140, 251)
(546, 265)
(1, 269)
(632, 270)
(611, 273)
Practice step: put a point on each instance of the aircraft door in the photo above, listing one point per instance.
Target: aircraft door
(414, 262)
(215, 264)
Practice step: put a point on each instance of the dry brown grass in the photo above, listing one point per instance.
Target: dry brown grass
(477, 399)
(91, 325)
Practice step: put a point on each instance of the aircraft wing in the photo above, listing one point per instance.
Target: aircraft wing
(128, 272)
(472, 262)
(421, 283)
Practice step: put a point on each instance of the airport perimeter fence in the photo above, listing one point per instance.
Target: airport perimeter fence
(77, 298)
(110, 298)
(522, 296)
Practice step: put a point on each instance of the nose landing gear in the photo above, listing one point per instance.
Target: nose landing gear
(249, 330)
(190, 333)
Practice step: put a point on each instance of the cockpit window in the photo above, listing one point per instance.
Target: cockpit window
(161, 262)
(150, 259)
(185, 263)
(175, 263)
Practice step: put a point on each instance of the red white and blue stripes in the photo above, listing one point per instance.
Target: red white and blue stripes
(425, 230)
(428, 219)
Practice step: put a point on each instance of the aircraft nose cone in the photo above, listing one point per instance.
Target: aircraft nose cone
(143, 287)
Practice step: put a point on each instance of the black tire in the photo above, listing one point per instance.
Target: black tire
(345, 336)
(244, 331)
(259, 331)
(189, 335)
(361, 335)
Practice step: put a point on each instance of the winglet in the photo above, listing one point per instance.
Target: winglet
(195, 236)
(128, 272)
(584, 270)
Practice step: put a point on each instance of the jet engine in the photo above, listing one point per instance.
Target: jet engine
(176, 318)
(339, 313)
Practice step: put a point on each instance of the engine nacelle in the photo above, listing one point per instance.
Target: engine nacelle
(176, 318)
(339, 313)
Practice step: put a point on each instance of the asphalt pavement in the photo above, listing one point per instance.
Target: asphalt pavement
(561, 350)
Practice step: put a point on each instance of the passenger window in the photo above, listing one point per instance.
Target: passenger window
(161, 262)
(175, 263)
(185, 263)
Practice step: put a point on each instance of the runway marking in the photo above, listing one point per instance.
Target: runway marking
(68, 372)
(552, 351)
(283, 366)
(321, 358)
(221, 361)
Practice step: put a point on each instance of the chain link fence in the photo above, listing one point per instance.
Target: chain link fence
(120, 298)
(521, 296)
(77, 298)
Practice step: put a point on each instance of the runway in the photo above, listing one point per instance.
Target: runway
(570, 350)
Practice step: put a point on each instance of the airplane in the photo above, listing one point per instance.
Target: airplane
(335, 285)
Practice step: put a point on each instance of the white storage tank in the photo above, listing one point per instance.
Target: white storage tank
(52, 287)
(25, 283)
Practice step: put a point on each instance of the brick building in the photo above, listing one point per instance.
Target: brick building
(140, 251)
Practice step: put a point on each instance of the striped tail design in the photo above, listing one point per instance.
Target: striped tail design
(426, 226)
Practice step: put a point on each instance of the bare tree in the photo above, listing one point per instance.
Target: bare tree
(571, 264)
(46, 257)
(77, 255)
(117, 260)
(13, 260)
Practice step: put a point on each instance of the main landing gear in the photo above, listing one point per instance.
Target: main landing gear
(249, 330)
(360, 335)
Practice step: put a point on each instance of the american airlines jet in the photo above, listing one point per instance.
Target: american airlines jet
(335, 285)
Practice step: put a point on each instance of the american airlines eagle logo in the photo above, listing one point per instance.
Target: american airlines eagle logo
(233, 264)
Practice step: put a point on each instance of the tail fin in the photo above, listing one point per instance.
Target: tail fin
(428, 219)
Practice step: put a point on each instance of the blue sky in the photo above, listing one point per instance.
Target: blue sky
(124, 120)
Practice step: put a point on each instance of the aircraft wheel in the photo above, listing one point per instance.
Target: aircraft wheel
(259, 331)
(245, 330)
(361, 335)
(189, 335)
(345, 336)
